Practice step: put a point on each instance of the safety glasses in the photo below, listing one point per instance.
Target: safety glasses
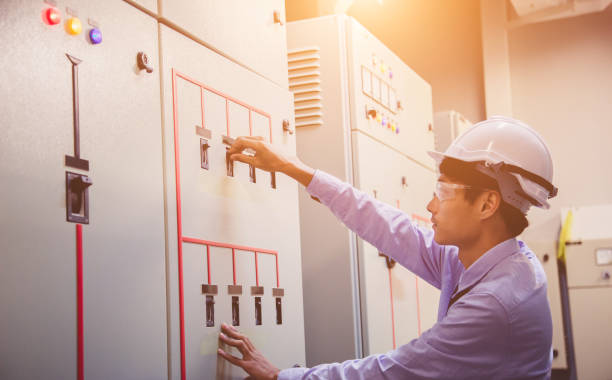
(446, 190)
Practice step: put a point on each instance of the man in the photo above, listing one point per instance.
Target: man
(494, 320)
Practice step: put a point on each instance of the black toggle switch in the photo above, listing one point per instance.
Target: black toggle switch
(77, 197)
(210, 311)
(258, 311)
(279, 311)
(204, 146)
(235, 311)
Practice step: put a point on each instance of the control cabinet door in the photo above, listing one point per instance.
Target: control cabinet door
(390, 310)
(80, 298)
(227, 227)
(245, 31)
(389, 101)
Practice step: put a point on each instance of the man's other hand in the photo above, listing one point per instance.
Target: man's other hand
(252, 361)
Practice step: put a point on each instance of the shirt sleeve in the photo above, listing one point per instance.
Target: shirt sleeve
(387, 228)
(470, 343)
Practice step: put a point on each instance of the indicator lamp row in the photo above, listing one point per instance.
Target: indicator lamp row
(74, 26)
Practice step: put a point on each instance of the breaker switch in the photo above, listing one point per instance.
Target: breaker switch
(273, 180)
(279, 311)
(210, 311)
(252, 174)
(258, 311)
(204, 145)
(235, 311)
(77, 197)
(229, 164)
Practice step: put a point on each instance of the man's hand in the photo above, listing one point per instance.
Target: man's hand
(253, 362)
(269, 158)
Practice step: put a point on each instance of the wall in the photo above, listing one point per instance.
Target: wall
(561, 79)
(438, 39)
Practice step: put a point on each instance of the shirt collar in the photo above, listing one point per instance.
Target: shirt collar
(486, 262)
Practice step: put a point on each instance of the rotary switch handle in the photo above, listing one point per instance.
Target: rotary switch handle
(144, 63)
(390, 262)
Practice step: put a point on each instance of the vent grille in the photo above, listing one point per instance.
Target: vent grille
(305, 83)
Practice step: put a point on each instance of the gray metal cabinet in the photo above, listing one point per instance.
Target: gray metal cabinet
(122, 283)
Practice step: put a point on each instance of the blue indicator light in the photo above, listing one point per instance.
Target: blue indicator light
(95, 36)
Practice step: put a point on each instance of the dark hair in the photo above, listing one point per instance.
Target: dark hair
(467, 174)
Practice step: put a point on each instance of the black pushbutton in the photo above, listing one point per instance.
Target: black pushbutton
(279, 311)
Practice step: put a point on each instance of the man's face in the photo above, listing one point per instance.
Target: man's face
(455, 220)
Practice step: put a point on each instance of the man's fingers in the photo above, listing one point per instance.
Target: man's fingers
(231, 331)
(231, 358)
(242, 158)
(241, 345)
(244, 142)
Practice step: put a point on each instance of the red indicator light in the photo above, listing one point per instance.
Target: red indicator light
(53, 16)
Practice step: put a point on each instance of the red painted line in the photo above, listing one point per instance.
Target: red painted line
(277, 280)
(208, 262)
(256, 271)
(234, 264)
(202, 105)
(392, 308)
(79, 275)
(418, 303)
(228, 245)
(270, 128)
(223, 95)
(250, 123)
(179, 227)
(227, 116)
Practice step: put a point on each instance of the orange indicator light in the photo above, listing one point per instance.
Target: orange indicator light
(73, 26)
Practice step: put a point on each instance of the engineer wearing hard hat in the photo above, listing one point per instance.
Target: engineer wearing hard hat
(494, 319)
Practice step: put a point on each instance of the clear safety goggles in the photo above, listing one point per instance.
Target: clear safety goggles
(446, 190)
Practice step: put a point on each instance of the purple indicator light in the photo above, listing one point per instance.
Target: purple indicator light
(397, 130)
(390, 74)
(384, 121)
(95, 36)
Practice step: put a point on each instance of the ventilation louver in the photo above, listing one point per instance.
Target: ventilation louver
(305, 83)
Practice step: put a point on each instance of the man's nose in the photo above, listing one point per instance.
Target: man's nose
(433, 204)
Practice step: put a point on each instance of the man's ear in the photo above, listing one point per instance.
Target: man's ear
(490, 200)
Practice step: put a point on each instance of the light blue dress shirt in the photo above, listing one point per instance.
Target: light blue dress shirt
(500, 329)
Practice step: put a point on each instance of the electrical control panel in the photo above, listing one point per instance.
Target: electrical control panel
(82, 269)
(128, 234)
(365, 117)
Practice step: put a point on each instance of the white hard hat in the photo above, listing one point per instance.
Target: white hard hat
(513, 154)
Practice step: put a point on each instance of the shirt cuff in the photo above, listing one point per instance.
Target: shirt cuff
(292, 373)
(324, 186)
